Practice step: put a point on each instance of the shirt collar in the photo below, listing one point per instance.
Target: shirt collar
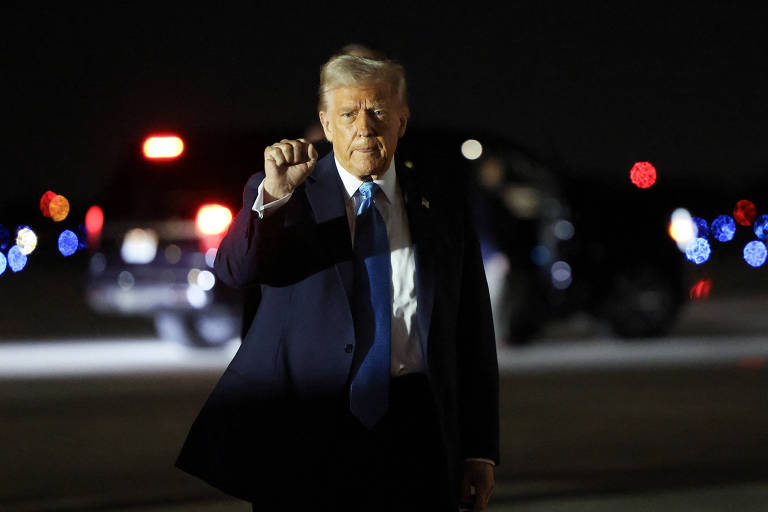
(387, 182)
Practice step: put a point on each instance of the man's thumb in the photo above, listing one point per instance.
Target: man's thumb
(312, 152)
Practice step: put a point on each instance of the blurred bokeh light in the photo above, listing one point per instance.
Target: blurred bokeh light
(700, 290)
(210, 256)
(702, 228)
(125, 280)
(17, 260)
(5, 237)
(761, 227)
(643, 174)
(682, 229)
(3, 263)
(68, 243)
(59, 208)
(561, 275)
(206, 280)
(196, 297)
(192, 276)
(745, 212)
(699, 251)
(26, 239)
(564, 229)
(213, 219)
(45, 202)
(723, 228)
(139, 246)
(94, 219)
(471, 149)
(163, 146)
(755, 253)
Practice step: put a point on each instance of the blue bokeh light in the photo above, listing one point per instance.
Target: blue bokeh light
(702, 229)
(724, 228)
(16, 259)
(699, 251)
(82, 237)
(68, 243)
(3, 263)
(540, 255)
(761, 227)
(755, 253)
(5, 237)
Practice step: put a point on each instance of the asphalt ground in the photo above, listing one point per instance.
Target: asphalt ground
(587, 435)
(589, 422)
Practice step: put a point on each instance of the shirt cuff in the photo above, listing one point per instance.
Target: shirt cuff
(479, 459)
(259, 206)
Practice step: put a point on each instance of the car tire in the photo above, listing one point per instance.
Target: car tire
(644, 303)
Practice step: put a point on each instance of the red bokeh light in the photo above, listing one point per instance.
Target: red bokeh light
(163, 147)
(643, 174)
(700, 290)
(94, 219)
(745, 212)
(45, 203)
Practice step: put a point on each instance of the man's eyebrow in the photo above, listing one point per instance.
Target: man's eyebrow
(353, 106)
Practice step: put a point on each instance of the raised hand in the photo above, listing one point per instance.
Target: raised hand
(287, 164)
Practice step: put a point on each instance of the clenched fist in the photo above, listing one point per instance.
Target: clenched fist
(287, 164)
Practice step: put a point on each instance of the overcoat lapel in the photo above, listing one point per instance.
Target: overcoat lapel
(417, 208)
(325, 194)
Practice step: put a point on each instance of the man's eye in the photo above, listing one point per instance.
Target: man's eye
(379, 112)
(347, 115)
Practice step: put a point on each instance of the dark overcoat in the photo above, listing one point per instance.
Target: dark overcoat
(264, 429)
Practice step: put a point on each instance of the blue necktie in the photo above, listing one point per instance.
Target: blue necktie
(369, 390)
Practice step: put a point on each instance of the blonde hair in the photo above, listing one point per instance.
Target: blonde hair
(359, 65)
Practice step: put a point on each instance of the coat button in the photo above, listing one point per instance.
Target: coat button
(348, 349)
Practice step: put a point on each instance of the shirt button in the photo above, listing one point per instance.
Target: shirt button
(348, 349)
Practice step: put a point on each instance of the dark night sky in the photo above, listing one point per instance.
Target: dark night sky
(597, 88)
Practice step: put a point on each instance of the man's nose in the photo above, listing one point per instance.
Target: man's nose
(365, 124)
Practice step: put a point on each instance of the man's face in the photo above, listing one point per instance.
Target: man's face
(364, 124)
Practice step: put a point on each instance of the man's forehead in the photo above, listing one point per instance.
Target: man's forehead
(378, 93)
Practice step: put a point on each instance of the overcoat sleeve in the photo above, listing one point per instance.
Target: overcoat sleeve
(257, 250)
(478, 373)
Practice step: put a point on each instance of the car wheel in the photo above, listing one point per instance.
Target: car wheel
(644, 303)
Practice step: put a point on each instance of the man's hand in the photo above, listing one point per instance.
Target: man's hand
(287, 164)
(477, 475)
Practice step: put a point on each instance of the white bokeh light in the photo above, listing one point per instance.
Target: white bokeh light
(471, 149)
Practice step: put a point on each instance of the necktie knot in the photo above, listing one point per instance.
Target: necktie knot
(367, 191)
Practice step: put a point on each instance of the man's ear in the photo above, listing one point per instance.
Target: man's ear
(403, 124)
(326, 123)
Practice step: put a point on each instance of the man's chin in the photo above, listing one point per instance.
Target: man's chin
(369, 169)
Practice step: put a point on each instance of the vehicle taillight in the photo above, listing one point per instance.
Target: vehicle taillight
(163, 147)
(94, 222)
(213, 219)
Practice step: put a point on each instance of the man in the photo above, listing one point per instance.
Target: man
(367, 379)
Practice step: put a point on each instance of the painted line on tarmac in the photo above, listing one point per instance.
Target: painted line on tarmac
(37, 359)
(108, 357)
(617, 353)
